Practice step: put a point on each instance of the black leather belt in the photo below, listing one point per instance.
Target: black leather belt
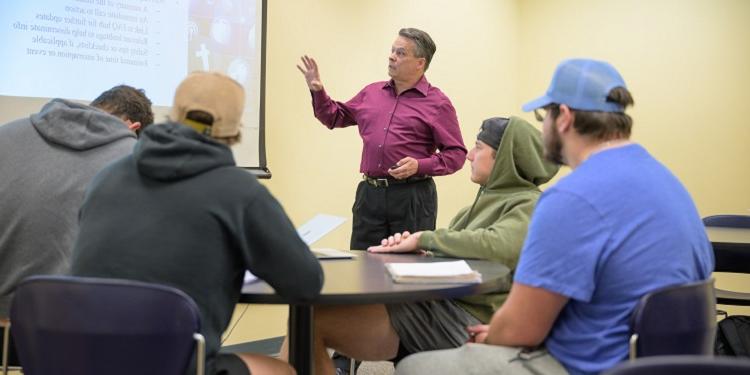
(388, 181)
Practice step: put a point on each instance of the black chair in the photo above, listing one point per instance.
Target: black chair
(675, 320)
(732, 259)
(71, 325)
(683, 365)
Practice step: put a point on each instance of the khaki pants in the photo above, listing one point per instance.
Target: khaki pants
(475, 359)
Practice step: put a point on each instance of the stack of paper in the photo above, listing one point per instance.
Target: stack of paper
(437, 272)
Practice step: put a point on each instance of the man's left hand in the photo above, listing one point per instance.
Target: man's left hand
(407, 167)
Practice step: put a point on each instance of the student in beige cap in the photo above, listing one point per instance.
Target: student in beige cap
(179, 212)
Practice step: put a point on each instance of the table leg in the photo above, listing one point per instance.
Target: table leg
(301, 338)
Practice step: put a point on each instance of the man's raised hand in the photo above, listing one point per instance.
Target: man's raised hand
(309, 69)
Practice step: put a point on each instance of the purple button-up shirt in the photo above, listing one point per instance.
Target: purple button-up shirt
(416, 123)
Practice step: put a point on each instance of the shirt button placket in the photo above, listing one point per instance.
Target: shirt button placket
(385, 133)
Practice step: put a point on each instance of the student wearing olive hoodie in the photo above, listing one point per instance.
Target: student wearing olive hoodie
(507, 162)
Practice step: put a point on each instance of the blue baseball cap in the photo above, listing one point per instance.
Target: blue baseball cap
(581, 84)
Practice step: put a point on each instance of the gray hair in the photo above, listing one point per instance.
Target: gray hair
(425, 47)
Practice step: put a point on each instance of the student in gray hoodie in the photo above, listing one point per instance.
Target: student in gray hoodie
(46, 162)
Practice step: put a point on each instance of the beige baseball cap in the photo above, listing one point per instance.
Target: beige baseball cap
(214, 93)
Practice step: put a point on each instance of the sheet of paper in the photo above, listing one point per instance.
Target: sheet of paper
(313, 230)
(249, 277)
(317, 227)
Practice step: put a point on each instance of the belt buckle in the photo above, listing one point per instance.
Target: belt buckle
(381, 182)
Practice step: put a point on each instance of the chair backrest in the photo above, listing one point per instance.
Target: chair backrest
(675, 320)
(683, 365)
(727, 221)
(74, 325)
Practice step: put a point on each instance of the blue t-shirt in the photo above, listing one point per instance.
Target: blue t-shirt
(620, 226)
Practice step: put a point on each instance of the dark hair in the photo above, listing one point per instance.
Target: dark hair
(425, 47)
(126, 102)
(604, 126)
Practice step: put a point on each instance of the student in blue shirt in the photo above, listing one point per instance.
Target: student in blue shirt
(618, 227)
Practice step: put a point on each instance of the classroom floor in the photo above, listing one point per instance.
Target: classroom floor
(244, 327)
(375, 368)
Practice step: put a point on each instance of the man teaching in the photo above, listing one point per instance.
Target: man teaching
(409, 132)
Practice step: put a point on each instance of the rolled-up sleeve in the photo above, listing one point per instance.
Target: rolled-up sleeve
(450, 144)
(331, 113)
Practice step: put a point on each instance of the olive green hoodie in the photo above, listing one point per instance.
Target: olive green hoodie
(494, 227)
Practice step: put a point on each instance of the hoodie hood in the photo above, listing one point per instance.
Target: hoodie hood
(519, 163)
(78, 126)
(174, 151)
(519, 169)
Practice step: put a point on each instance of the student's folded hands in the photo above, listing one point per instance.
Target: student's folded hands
(399, 243)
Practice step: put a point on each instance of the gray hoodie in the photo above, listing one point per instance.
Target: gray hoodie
(46, 162)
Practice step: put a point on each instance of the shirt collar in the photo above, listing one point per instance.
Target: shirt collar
(422, 85)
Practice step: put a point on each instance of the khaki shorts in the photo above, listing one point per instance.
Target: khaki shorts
(481, 359)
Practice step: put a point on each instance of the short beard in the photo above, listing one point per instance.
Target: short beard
(553, 146)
